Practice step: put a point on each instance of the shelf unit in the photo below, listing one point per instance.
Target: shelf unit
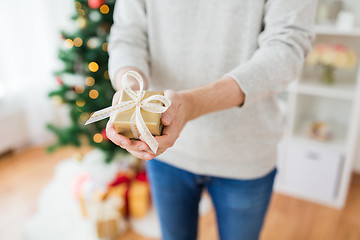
(313, 88)
(338, 104)
(333, 31)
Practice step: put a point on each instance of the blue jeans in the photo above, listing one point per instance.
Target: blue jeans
(240, 205)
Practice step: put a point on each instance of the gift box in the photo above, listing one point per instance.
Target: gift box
(152, 120)
(120, 191)
(109, 223)
(139, 199)
(107, 228)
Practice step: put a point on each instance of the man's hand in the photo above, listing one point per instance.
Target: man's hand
(174, 119)
(185, 106)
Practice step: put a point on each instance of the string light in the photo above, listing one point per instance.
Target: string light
(104, 9)
(94, 94)
(93, 66)
(90, 81)
(81, 21)
(98, 138)
(68, 43)
(84, 116)
(93, 42)
(95, 16)
(70, 95)
(78, 5)
(79, 89)
(105, 47)
(78, 42)
(106, 75)
(82, 12)
(80, 102)
(57, 100)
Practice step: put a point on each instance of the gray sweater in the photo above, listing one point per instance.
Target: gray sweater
(182, 44)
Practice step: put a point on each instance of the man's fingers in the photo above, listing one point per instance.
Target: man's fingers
(118, 139)
(166, 118)
(165, 142)
(116, 98)
(142, 155)
(168, 138)
(169, 115)
(124, 142)
(160, 150)
(137, 145)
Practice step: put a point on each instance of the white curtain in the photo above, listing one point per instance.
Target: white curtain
(30, 37)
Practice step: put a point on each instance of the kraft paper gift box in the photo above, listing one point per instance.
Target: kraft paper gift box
(109, 223)
(139, 199)
(107, 228)
(152, 120)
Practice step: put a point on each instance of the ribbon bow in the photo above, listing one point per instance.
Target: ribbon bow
(136, 120)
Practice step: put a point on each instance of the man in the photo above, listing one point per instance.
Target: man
(224, 61)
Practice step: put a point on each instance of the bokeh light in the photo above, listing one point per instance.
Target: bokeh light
(78, 5)
(98, 138)
(105, 47)
(68, 43)
(93, 42)
(104, 9)
(90, 81)
(84, 117)
(81, 21)
(80, 102)
(57, 100)
(95, 16)
(79, 89)
(106, 75)
(94, 94)
(82, 12)
(93, 66)
(78, 42)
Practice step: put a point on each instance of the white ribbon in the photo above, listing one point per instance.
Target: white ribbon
(137, 123)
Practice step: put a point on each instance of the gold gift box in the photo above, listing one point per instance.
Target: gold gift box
(139, 199)
(152, 120)
(107, 228)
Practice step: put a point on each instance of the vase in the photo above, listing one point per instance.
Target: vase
(328, 75)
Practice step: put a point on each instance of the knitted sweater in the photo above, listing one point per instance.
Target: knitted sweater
(182, 44)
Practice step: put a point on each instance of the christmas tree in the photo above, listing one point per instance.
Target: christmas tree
(84, 83)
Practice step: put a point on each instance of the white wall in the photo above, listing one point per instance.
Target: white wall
(30, 37)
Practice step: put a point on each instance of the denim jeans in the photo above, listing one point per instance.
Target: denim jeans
(240, 205)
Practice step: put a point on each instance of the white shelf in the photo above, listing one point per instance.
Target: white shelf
(313, 88)
(338, 105)
(284, 189)
(333, 31)
(332, 145)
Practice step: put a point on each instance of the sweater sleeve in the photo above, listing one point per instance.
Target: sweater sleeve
(282, 47)
(128, 40)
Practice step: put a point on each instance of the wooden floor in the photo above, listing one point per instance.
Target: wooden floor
(24, 174)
